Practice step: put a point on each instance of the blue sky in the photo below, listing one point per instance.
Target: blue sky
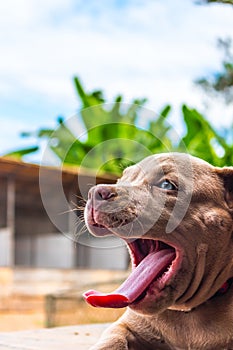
(140, 48)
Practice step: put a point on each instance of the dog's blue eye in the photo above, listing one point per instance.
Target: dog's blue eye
(167, 185)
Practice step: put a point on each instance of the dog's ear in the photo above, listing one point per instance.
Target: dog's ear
(227, 174)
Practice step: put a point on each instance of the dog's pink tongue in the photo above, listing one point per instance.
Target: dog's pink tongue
(141, 277)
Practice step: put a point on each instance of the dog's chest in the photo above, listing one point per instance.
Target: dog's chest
(191, 331)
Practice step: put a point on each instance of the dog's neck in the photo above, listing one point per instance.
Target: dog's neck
(223, 290)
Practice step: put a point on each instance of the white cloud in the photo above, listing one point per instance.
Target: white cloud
(142, 48)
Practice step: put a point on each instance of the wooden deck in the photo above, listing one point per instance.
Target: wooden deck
(60, 338)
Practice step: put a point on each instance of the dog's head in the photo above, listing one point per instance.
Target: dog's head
(175, 213)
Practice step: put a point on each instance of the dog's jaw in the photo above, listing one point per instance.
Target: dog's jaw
(154, 265)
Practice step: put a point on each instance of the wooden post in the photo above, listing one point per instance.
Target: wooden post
(11, 218)
(71, 227)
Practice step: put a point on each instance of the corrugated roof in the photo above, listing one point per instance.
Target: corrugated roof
(29, 171)
(30, 179)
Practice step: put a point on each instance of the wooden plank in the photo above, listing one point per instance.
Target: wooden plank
(72, 338)
(11, 218)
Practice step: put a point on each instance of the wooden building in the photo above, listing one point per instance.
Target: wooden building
(37, 227)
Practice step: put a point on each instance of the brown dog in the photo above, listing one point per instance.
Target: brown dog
(175, 213)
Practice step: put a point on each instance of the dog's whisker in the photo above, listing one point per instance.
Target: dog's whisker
(79, 230)
(80, 222)
(91, 185)
(81, 208)
(68, 211)
(80, 198)
(81, 202)
(78, 206)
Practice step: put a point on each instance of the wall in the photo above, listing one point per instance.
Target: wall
(4, 247)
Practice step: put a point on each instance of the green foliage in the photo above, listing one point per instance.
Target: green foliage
(203, 141)
(18, 154)
(221, 83)
(113, 139)
(226, 2)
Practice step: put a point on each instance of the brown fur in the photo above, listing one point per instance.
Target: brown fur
(187, 314)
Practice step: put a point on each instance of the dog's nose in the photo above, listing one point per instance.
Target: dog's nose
(103, 193)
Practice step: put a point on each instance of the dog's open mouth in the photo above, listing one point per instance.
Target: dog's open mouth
(153, 264)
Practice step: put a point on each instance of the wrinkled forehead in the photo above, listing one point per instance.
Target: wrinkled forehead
(179, 164)
(165, 162)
